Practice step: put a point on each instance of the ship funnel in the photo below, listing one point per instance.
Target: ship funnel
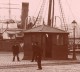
(24, 15)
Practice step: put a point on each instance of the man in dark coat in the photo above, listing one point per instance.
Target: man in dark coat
(39, 56)
(15, 50)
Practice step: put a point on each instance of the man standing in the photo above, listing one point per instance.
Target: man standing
(39, 56)
(15, 50)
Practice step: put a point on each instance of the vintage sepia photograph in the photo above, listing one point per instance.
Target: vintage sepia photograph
(39, 36)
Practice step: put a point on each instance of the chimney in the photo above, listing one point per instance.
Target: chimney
(24, 15)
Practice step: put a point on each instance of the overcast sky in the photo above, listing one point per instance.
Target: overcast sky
(71, 9)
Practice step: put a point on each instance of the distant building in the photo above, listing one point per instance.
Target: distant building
(11, 31)
(10, 36)
(77, 44)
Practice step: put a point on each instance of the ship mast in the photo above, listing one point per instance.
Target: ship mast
(51, 13)
(9, 10)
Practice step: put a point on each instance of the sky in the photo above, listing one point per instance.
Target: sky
(71, 10)
(33, 4)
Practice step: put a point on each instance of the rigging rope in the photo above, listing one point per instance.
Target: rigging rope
(70, 9)
(37, 5)
(64, 25)
(39, 17)
(77, 31)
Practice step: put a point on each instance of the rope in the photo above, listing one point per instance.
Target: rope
(39, 17)
(62, 14)
(70, 9)
(37, 7)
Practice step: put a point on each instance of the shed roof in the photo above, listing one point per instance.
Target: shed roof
(46, 29)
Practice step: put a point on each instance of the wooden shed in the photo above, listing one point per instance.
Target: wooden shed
(53, 41)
